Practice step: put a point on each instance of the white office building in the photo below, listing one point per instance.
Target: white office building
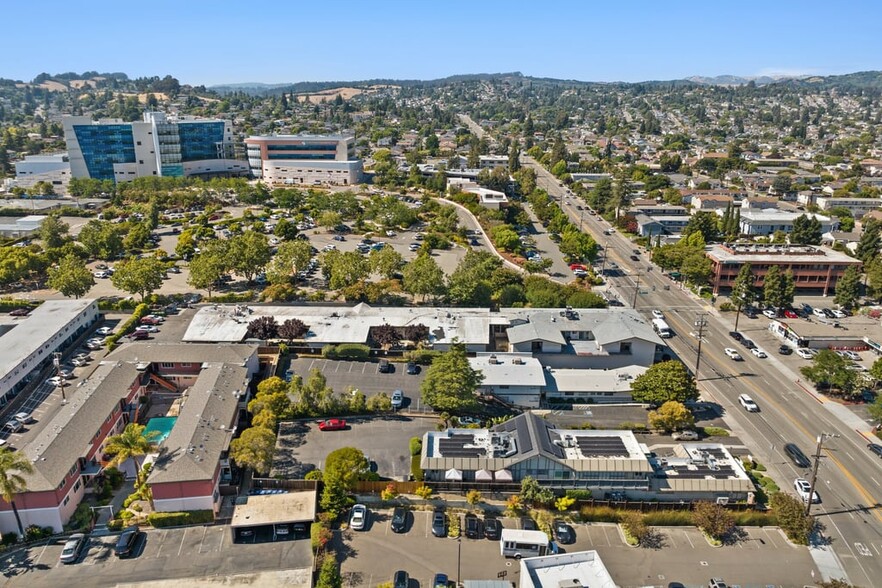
(304, 160)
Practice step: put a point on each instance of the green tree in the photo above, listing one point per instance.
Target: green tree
(249, 253)
(139, 275)
(829, 370)
(664, 382)
(343, 468)
(285, 230)
(868, 246)
(292, 257)
(696, 267)
(450, 381)
(848, 287)
(577, 246)
(505, 238)
(206, 270)
(13, 466)
(423, 277)
(329, 574)
(806, 231)
(469, 283)
(706, 223)
(254, 449)
(344, 269)
(385, 262)
(329, 219)
(101, 239)
(532, 491)
(774, 287)
(671, 416)
(186, 245)
(743, 290)
(53, 232)
(874, 277)
(713, 519)
(138, 236)
(132, 443)
(790, 514)
(71, 277)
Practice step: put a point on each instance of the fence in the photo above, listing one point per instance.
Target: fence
(275, 484)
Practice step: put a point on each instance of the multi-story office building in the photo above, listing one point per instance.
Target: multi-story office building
(157, 146)
(285, 160)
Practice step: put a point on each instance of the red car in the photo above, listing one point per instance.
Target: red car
(578, 266)
(138, 335)
(790, 314)
(150, 320)
(332, 425)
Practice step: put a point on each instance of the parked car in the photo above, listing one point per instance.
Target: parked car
(796, 455)
(686, 435)
(658, 314)
(785, 349)
(472, 526)
(399, 520)
(717, 583)
(528, 524)
(73, 548)
(358, 517)
(413, 369)
(805, 353)
(732, 354)
(469, 420)
(439, 524)
(819, 312)
(13, 426)
(748, 343)
(385, 367)
(138, 335)
(875, 448)
(736, 335)
(23, 417)
(146, 329)
(332, 425)
(125, 544)
(564, 533)
(440, 581)
(20, 312)
(759, 352)
(790, 314)
(770, 313)
(55, 381)
(493, 528)
(101, 274)
(804, 490)
(397, 399)
(400, 579)
(79, 362)
(748, 403)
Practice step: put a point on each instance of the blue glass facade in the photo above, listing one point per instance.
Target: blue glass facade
(199, 140)
(104, 145)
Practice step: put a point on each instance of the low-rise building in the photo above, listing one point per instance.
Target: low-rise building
(858, 207)
(579, 386)
(516, 378)
(814, 268)
(52, 169)
(304, 160)
(579, 569)
(762, 223)
(24, 226)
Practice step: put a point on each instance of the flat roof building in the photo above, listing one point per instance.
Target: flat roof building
(580, 569)
(159, 145)
(764, 222)
(304, 160)
(814, 268)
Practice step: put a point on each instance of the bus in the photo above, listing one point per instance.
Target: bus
(518, 543)
(662, 328)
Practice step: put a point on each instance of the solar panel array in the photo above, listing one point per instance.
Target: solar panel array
(601, 446)
(701, 472)
(454, 446)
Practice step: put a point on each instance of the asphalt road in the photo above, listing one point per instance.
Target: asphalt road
(849, 476)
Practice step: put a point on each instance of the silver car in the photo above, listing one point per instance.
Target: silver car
(73, 548)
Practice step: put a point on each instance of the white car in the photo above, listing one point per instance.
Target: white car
(397, 399)
(580, 273)
(803, 488)
(851, 355)
(414, 246)
(101, 274)
(805, 353)
(684, 436)
(748, 403)
(147, 329)
(358, 518)
(770, 313)
(658, 314)
(732, 354)
(838, 313)
(79, 362)
(759, 352)
(54, 381)
(104, 331)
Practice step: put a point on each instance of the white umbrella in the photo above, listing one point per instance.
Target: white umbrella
(483, 476)
(503, 476)
(453, 474)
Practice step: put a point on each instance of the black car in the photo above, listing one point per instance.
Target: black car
(125, 545)
(785, 350)
(472, 526)
(439, 524)
(385, 367)
(796, 455)
(528, 524)
(828, 313)
(563, 533)
(748, 343)
(492, 529)
(412, 369)
(875, 448)
(635, 258)
(400, 579)
(750, 313)
(736, 335)
(399, 520)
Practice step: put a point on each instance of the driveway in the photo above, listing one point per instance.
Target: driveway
(302, 447)
(163, 554)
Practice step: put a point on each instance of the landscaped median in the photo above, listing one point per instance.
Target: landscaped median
(133, 321)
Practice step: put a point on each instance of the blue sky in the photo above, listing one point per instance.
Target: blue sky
(202, 42)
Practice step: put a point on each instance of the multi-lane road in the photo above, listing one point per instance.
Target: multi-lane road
(849, 476)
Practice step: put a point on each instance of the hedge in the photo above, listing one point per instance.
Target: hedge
(9, 304)
(416, 446)
(422, 356)
(140, 312)
(354, 351)
(415, 470)
(175, 519)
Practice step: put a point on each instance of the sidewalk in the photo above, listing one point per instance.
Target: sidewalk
(116, 503)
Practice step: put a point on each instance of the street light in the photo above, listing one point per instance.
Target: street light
(821, 438)
(458, 559)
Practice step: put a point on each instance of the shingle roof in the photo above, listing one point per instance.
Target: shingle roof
(203, 429)
(184, 353)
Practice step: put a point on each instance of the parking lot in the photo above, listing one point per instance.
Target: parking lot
(682, 555)
(366, 377)
(302, 447)
(190, 552)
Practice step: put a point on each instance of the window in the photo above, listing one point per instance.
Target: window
(167, 364)
(185, 365)
(625, 347)
(66, 500)
(74, 469)
(77, 486)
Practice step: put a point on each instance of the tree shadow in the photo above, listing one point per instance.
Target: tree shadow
(654, 539)
(20, 562)
(735, 536)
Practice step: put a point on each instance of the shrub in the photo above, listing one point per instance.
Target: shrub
(174, 519)
(351, 351)
(514, 506)
(126, 515)
(133, 321)
(564, 503)
(9, 539)
(453, 525)
(713, 519)
(313, 475)
(634, 526)
(422, 356)
(633, 426)
(415, 470)
(35, 532)
(389, 492)
(578, 494)
(136, 507)
(752, 518)
(81, 518)
(416, 446)
(599, 514)
(668, 518)
(319, 535)
(424, 492)
(715, 432)
(114, 477)
(473, 497)
(329, 576)
(115, 525)
(727, 307)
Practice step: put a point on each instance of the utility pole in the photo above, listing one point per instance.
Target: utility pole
(636, 291)
(56, 361)
(458, 559)
(821, 438)
(701, 323)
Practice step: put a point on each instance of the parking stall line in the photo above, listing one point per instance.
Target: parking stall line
(688, 539)
(670, 536)
(181, 548)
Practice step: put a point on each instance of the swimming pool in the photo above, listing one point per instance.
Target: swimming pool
(162, 425)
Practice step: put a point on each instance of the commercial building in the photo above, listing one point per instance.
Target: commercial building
(24, 226)
(516, 378)
(304, 160)
(210, 385)
(814, 268)
(580, 569)
(492, 199)
(52, 169)
(159, 145)
(650, 226)
(27, 344)
(762, 223)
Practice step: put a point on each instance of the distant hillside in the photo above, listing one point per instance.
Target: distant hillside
(727, 80)
(862, 79)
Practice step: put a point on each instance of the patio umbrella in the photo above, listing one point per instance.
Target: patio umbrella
(503, 476)
(453, 474)
(483, 476)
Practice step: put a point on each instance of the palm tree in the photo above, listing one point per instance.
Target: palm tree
(131, 443)
(12, 465)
